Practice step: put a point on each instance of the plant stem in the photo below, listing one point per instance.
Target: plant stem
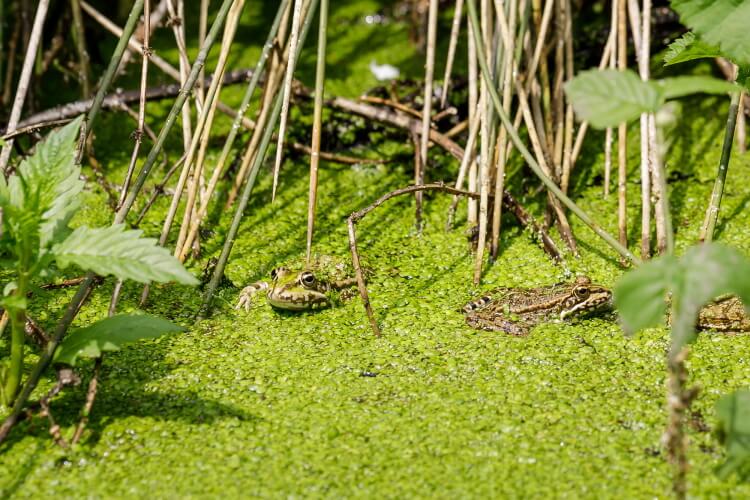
(17, 324)
(712, 213)
(622, 250)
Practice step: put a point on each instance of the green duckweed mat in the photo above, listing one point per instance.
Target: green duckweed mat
(268, 404)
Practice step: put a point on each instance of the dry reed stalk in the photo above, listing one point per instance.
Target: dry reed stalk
(622, 133)
(452, 43)
(509, 69)
(178, 30)
(472, 205)
(23, 80)
(209, 108)
(567, 164)
(287, 92)
(536, 144)
(647, 140)
(467, 158)
(276, 74)
(202, 27)
(238, 119)
(320, 75)
(485, 113)
(421, 165)
(146, 52)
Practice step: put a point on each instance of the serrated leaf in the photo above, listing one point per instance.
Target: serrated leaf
(685, 85)
(733, 413)
(640, 295)
(687, 48)
(610, 97)
(723, 23)
(122, 253)
(111, 334)
(40, 198)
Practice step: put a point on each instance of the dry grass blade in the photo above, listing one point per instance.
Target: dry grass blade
(452, 43)
(320, 75)
(287, 92)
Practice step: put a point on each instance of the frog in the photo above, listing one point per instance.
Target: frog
(727, 314)
(516, 311)
(300, 287)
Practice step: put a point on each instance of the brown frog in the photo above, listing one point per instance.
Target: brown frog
(517, 310)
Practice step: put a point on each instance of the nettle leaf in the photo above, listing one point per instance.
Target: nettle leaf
(723, 23)
(610, 97)
(733, 412)
(681, 86)
(50, 175)
(41, 197)
(111, 334)
(122, 253)
(640, 295)
(689, 47)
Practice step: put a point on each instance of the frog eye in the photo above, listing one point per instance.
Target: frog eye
(307, 278)
(582, 292)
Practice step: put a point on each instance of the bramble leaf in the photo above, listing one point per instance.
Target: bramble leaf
(689, 47)
(723, 23)
(110, 334)
(122, 253)
(610, 97)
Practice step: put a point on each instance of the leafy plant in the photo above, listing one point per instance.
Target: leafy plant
(686, 284)
(38, 203)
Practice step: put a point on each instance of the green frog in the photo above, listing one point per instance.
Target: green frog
(517, 310)
(300, 288)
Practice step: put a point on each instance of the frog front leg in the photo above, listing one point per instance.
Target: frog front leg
(247, 294)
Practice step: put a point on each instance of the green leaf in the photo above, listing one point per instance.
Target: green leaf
(40, 198)
(122, 253)
(702, 274)
(687, 48)
(707, 272)
(723, 23)
(733, 412)
(685, 85)
(640, 295)
(610, 97)
(111, 334)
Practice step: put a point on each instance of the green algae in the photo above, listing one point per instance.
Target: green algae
(275, 404)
